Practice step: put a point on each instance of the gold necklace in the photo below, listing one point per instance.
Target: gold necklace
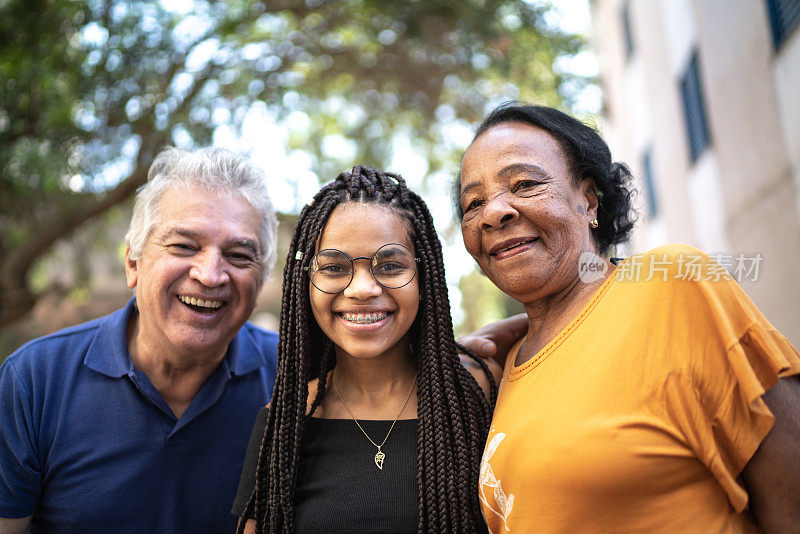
(380, 455)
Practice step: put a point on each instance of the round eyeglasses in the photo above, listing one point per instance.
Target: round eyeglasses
(393, 266)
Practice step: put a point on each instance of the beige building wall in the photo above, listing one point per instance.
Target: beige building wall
(742, 194)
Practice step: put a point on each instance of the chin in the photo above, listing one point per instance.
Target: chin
(200, 341)
(365, 351)
(516, 286)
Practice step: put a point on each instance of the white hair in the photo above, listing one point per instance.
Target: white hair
(217, 169)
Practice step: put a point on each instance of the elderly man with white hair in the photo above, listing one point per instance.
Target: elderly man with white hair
(139, 421)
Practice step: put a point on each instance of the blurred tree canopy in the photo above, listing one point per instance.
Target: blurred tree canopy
(487, 304)
(90, 90)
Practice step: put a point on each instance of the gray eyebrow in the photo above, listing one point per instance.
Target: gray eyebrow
(244, 242)
(182, 232)
(247, 243)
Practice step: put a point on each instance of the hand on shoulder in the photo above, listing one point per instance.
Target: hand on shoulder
(493, 341)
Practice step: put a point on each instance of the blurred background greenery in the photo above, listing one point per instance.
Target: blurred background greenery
(90, 90)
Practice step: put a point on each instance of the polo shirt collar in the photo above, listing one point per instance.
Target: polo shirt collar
(245, 355)
(108, 352)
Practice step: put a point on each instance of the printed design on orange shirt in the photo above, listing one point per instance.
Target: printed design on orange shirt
(502, 503)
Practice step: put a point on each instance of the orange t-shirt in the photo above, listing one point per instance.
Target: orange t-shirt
(640, 415)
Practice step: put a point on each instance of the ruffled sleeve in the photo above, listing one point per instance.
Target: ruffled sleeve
(743, 420)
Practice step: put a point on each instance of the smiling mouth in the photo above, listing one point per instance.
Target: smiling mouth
(363, 318)
(201, 305)
(513, 247)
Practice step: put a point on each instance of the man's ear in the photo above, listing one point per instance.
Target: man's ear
(589, 197)
(131, 271)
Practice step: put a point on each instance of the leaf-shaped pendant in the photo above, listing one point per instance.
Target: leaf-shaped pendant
(379, 456)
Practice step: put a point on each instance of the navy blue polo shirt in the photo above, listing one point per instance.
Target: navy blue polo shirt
(87, 444)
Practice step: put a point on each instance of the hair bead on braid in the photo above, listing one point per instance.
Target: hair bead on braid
(453, 414)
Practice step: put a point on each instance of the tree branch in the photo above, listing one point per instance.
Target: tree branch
(21, 258)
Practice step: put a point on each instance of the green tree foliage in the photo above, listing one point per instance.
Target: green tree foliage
(90, 90)
(483, 303)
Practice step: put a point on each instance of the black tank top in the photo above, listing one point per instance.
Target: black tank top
(339, 487)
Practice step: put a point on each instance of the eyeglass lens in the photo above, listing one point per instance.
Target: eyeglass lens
(393, 266)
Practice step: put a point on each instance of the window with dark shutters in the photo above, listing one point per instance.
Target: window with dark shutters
(627, 33)
(783, 17)
(694, 109)
(649, 183)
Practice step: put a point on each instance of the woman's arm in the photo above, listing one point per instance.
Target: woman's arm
(14, 526)
(493, 341)
(772, 476)
(247, 480)
(479, 374)
(250, 526)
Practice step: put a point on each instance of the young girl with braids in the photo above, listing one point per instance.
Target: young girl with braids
(375, 425)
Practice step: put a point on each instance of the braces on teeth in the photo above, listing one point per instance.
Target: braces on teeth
(364, 319)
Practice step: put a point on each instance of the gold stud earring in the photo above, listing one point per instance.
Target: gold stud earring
(594, 224)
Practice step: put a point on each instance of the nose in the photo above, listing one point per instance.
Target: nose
(497, 212)
(209, 269)
(363, 285)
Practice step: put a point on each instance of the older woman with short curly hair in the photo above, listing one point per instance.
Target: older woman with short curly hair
(649, 396)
